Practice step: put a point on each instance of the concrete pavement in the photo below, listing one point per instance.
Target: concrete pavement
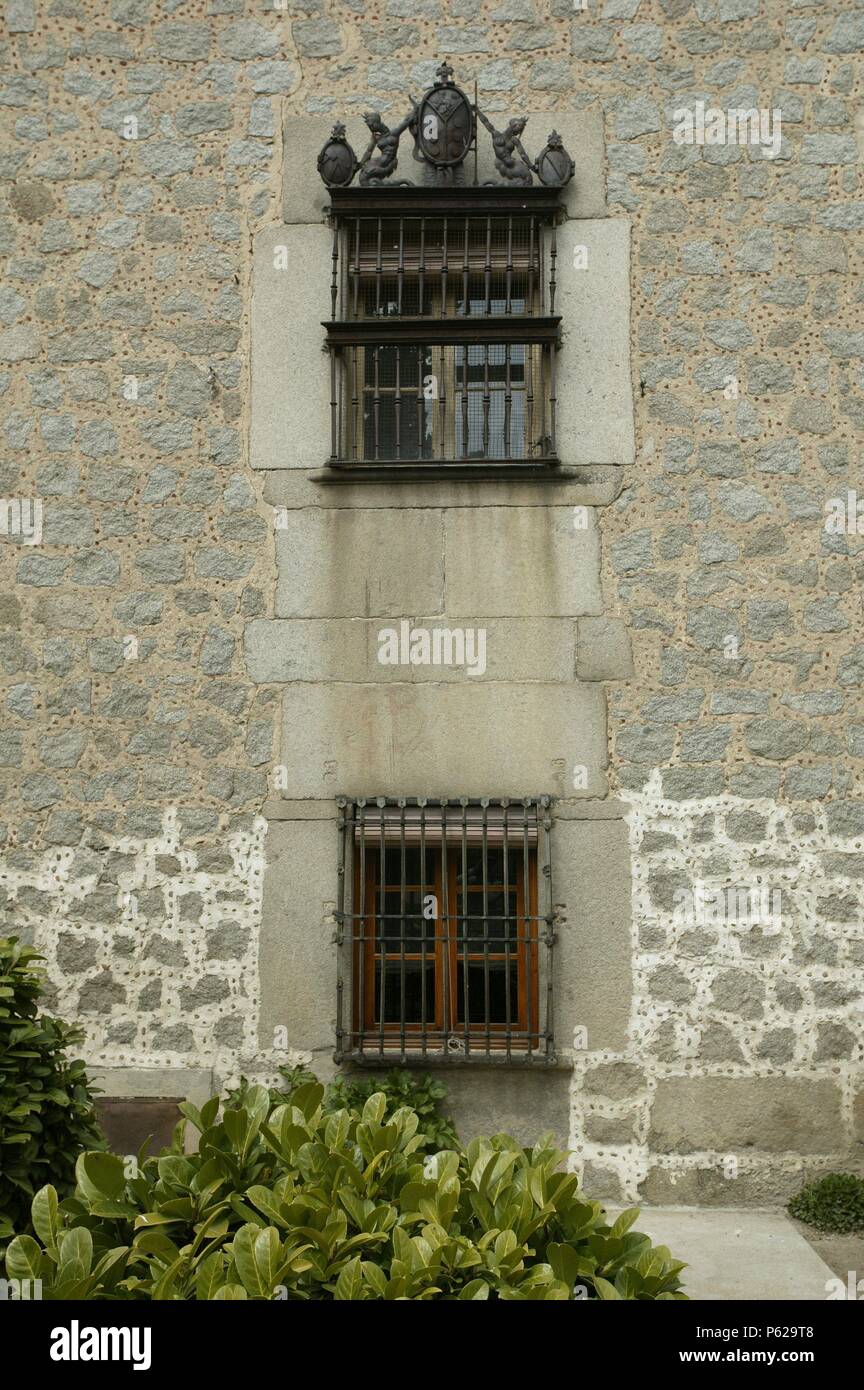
(738, 1253)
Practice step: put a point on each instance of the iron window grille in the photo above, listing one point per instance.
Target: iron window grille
(445, 931)
(443, 333)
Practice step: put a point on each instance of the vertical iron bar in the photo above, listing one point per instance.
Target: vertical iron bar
(376, 403)
(356, 284)
(464, 927)
(446, 1021)
(530, 295)
(341, 408)
(355, 403)
(508, 400)
(553, 256)
(488, 266)
(379, 271)
(382, 878)
(486, 400)
(340, 931)
(421, 803)
(553, 398)
(400, 274)
(529, 398)
(465, 420)
(442, 403)
(334, 282)
(422, 268)
(402, 937)
(334, 416)
(542, 393)
(442, 398)
(550, 924)
(509, 298)
(526, 896)
(466, 308)
(360, 918)
(421, 418)
(505, 804)
(398, 401)
(487, 1010)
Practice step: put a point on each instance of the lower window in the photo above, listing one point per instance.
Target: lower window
(445, 930)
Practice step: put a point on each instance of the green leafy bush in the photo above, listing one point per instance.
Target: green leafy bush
(46, 1105)
(422, 1094)
(833, 1203)
(291, 1202)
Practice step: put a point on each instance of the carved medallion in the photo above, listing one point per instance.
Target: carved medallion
(337, 162)
(554, 166)
(445, 126)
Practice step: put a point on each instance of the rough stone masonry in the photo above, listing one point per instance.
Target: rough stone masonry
(141, 153)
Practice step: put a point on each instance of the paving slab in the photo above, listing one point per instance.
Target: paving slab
(735, 1253)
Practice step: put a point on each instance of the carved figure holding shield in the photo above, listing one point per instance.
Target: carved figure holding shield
(386, 142)
(506, 144)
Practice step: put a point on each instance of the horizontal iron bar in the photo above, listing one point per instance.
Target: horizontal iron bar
(415, 1056)
(344, 471)
(485, 470)
(375, 804)
(467, 200)
(473, 330)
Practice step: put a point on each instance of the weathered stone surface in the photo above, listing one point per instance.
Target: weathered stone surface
(646, 743)
(731, 1114)
(19, 344)
(776, 738)
(539, 553)
(615, 1080)
(350, 649)
(740, 993)
(603, 650)
(403, 737)
(182, 41)
(314, 581)
(595, 413)
(734, 729)
(288, 424)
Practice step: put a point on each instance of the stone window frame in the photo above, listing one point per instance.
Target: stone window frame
(289, 444)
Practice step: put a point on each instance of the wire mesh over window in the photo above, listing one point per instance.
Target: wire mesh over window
(445, 930)
(416, 266)
(460, 402)
(443, 339)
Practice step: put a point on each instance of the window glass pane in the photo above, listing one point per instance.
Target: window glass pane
(393, 865)
(501, 922)
(495, 428)
(497, 988)
(418, 924)
(397, 423)
(477, 303)
(407, 976)
(494, 864)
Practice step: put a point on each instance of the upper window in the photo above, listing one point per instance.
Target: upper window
(443, 333)
(446, 930)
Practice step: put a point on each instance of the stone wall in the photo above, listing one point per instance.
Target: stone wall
(142, 153)
(745, 1036)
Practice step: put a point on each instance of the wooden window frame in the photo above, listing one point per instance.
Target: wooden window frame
(448, 950)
